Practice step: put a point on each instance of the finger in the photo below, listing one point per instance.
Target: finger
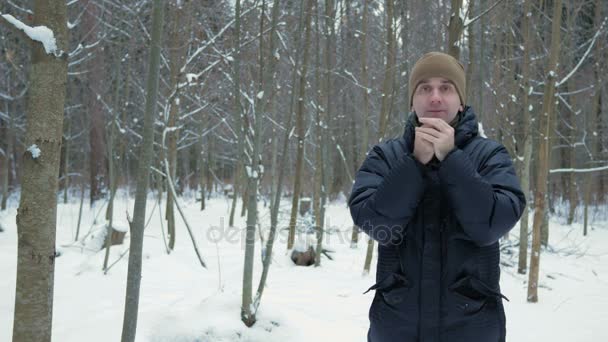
(427, 137)
(436, 123)
(431, 131)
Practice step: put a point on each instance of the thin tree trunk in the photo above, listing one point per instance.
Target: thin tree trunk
(365, 109)
(111, 167)
(267, 85)
(8, 158)
(82, 188)
(323, 117)
(238, 113)
(527, 149)
(389, 72)
(143, 174)
(175, 59)
(544, 149)
(97, 166)
(455, 28)
(300, 129)
(203, 162)
(384, 111)
(37, 212)
(66, 158)
(471, 63)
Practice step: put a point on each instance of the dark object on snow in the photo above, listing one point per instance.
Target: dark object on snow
(117, 238)
(305, 204)
(304, 258)
(437, 227)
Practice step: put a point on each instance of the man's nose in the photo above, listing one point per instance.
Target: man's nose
(435, 95)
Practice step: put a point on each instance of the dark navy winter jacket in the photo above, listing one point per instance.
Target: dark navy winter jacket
(438, 227)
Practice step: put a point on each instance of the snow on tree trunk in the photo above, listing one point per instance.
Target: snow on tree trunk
(37, 212)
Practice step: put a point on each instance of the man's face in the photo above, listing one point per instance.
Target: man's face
(436, 97)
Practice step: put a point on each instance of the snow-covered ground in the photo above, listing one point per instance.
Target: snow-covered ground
(181, 301)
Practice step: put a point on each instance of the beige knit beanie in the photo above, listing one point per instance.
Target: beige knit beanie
(438, 64)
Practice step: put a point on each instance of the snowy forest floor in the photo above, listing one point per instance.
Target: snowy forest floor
(181, 301)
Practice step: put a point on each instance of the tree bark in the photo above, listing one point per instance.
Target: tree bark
(455, 28)
(238, 113)
(300, 129)
(385, 107)
(544, 149)
(365, 110)
(527, 144)
(143, 175)
(8, 158)
(37, 212)
(66, 159)
(97, 167)
(112, 165)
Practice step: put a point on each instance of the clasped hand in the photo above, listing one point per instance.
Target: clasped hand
(434, 137)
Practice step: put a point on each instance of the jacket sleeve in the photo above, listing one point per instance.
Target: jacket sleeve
(385, 195)
(487, 202)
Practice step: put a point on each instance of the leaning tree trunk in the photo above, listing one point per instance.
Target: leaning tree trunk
(37, 213)
(544, 148)
(143, 176)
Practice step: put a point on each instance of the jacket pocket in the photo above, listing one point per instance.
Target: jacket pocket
(392, 288)
(471, 295)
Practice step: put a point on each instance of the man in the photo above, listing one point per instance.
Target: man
(437, 200)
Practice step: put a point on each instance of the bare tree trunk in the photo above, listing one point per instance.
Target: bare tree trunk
(82, 188)
(8, 158)
(238, 112)
(389, 72)
(112, 166)
(594, 119)
(263, 104)
(365, 109)
(300, 129)
(202, 161)
(139, 212)
(455, 29)
(544, 149)
(175, 60)
(37, 213)
(471, 63)
(66, 159)
(527, 144)
(321, 124)
(385, 108)
(97, 167)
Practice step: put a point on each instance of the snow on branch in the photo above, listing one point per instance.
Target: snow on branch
(593, 169)
(468, 22)
(40, 34)
(585, 55)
